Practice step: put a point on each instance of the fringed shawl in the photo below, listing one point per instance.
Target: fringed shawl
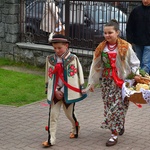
(126, 61)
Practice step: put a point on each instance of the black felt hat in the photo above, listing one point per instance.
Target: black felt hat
(59, 38)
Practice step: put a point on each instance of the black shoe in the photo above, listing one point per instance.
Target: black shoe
(122, 131)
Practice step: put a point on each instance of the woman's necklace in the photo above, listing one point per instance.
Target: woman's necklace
(111, 47)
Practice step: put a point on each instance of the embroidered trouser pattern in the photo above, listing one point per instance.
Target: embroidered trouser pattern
(55, 111)
(114, 108)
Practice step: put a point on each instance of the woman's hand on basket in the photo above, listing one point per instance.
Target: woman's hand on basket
(143, 80)
(137, 78)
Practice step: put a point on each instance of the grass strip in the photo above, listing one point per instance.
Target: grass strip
(18, 88)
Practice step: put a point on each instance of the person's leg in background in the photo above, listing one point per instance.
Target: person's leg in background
(145, 64)
(139, 52)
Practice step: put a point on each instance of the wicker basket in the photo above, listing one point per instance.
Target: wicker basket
(137, 98)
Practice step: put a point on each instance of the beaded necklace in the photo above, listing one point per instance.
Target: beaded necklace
(111, 47)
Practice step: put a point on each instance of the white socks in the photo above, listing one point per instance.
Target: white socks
(113, 137)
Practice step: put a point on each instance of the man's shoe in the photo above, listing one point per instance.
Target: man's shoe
(72, 135)
(46, 144)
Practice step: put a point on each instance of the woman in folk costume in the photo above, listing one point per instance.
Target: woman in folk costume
(113, 61)
(50, 20)
(64, 80)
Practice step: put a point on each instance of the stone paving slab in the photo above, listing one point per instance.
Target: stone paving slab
(23, 128)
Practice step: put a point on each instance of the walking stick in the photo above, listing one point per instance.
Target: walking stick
(47, 128)
(49, 135)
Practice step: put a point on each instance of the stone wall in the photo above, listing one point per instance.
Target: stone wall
(33, 54)
(9, 26)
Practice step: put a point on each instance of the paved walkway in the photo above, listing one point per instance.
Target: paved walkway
(22, 128)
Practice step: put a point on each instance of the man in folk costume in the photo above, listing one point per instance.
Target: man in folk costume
(113, 60)
(64, 84)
